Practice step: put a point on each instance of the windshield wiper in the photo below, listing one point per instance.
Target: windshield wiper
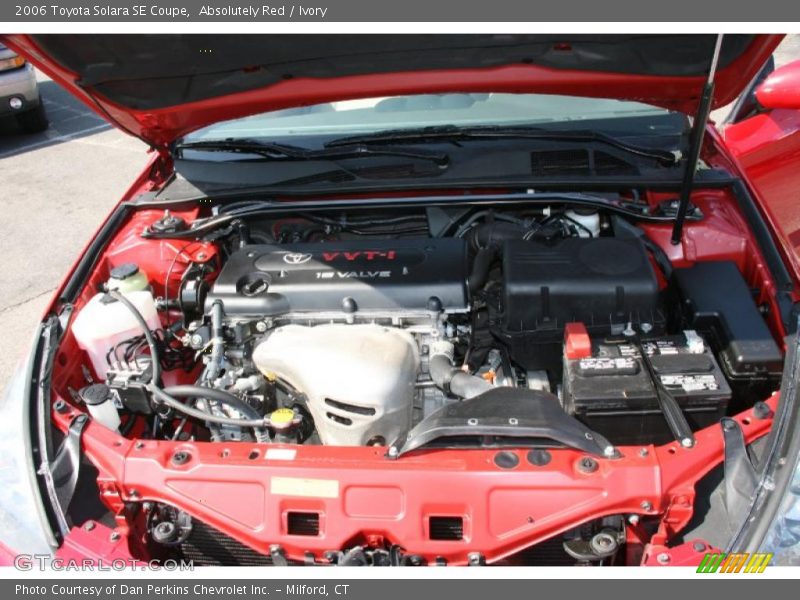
(288, 152)
(455, 133)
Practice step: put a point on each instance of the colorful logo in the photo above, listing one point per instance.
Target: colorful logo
(739, 562)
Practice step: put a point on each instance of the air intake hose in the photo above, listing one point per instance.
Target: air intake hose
(451, 379)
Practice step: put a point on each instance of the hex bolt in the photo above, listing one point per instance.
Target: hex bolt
(761, 410)
(89, 526)
(393, 452)
(115, 536)
(60, 406)
(133, 493)
(181, 458)
(633, 519)
(699, 546)
(646, 505)
(139, 445)
(587, 465)
(687, 442)
(644, 452)
(664, 558)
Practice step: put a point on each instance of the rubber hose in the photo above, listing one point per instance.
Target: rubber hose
(459, 383)
(180, 407)
(190, 391)
(481, 266)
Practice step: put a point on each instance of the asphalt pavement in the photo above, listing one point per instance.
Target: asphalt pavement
(56, 187)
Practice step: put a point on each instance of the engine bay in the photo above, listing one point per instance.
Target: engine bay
(421, 330)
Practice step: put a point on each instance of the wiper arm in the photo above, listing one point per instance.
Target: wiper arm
(454, 133)
(288, 152)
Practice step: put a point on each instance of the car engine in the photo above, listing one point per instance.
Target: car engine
(386, 334)
(319, 335)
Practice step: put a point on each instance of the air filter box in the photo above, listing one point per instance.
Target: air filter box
(596, 281)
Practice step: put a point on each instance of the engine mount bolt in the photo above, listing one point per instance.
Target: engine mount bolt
(646, 505)
(664, 558)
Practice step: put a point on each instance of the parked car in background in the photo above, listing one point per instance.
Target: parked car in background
(19, 92)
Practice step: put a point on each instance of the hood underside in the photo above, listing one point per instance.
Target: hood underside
(160, 87)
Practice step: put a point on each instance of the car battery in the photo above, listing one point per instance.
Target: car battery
(610, 388)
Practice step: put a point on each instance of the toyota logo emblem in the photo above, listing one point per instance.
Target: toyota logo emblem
(296, 258)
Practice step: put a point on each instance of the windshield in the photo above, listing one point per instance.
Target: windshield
(406, 112)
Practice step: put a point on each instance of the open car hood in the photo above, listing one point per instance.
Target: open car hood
(160, 87)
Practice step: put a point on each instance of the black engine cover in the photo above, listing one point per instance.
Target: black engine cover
(410, 274)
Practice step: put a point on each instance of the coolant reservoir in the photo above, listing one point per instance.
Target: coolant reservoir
(104, 322)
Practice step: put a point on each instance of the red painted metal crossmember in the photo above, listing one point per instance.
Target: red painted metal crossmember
(247, 490)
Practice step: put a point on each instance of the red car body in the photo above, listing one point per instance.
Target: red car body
(359, 496)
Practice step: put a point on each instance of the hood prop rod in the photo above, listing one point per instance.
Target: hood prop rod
(696, 144)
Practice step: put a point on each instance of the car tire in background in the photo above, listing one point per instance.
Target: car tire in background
(33, 120)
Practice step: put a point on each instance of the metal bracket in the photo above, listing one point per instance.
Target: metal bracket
(66, 465)
(741, 478)
(278, 556)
